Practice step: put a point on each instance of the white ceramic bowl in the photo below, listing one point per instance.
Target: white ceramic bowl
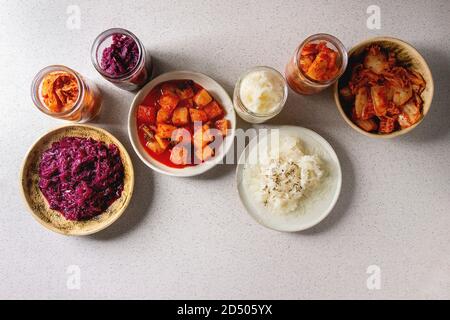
(312, 210)
(215, 90)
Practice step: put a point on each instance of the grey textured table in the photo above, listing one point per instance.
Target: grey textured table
(393, 213)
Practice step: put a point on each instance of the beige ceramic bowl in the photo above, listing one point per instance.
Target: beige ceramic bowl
(405, 53)
(38, 205)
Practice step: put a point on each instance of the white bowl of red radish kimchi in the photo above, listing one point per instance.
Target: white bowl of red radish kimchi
(182, 123)
(386, 90)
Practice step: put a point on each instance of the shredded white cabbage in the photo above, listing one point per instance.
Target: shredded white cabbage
(284, 175)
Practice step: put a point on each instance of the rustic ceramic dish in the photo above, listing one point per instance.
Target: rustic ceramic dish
(313, 209)
(408, 55)
(53, 220)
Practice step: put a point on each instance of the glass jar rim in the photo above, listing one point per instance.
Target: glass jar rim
(343, 54)
(105, 35)
(237, 92)
(36, 89)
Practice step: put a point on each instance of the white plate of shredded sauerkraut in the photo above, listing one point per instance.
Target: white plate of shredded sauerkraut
(289, 178)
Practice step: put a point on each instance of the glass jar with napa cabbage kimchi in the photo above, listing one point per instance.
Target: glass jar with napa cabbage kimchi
(63, 93)
(316, 64)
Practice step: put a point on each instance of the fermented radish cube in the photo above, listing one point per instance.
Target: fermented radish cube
(163, 116)
(213, 110)
(165, 130)
(146, 114)
(198, 115)
(202, 98)
(180, 116)
(169, 101)
(164, 143)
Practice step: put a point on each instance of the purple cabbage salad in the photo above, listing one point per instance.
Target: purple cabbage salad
(121, 56)
(81, 177)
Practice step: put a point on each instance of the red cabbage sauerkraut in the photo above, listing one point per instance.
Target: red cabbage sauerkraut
(81, 177)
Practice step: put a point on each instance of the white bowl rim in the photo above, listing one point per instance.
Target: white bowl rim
(336, 195)
(187, 171)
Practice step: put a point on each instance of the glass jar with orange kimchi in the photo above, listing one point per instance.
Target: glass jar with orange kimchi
(63, 93)
(316, 64)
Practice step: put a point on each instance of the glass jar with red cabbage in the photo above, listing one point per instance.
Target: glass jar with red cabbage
(120, 58)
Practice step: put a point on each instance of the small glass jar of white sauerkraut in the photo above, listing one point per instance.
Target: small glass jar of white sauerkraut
(260, 94)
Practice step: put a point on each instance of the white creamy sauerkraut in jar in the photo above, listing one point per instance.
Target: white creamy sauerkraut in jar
(260, 94)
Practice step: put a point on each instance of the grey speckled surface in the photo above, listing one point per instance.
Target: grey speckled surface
(394, 211)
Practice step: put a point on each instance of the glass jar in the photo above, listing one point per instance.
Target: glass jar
(132, 79)
(254, 116)
(301, 83)
(88, 102)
